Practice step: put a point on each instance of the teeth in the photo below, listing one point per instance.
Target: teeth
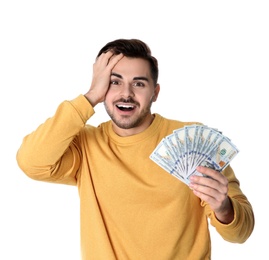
(125, 106)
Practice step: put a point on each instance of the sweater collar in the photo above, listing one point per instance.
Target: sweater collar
(127, 140)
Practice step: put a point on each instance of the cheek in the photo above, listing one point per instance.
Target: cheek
(111, 97)
(110, 93)
(114, 89)
(144, 98)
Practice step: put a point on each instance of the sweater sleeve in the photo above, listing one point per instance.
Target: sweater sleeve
(50, 153)
(239, 230)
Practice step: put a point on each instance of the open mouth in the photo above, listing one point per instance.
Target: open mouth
(123, 107)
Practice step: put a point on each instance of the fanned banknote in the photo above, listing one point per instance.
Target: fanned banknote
(186, 148)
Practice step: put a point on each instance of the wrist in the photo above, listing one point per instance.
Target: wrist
(93, 101)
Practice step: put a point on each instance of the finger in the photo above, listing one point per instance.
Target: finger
(208, 186)
(114, 60)
(212, 174)
(104, 58)
(211, 199)
(205, 194)
(204, 184)
(198, 182)
(207, 171)
(210, 192)
(218, 181)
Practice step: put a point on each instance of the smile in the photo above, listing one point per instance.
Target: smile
(125, 107)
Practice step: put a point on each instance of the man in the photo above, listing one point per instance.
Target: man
(130, 207)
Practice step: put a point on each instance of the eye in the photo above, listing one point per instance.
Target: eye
(114, 82)
(138, 84)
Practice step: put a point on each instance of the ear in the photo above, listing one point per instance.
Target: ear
(156, 92)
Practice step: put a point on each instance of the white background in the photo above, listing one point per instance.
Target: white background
(214, 63)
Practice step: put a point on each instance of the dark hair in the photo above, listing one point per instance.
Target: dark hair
(133, 48)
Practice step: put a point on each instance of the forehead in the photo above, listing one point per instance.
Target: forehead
(132, 67)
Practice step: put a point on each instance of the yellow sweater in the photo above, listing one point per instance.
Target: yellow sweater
(131, 209)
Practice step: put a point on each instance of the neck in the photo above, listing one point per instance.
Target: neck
(134, 130)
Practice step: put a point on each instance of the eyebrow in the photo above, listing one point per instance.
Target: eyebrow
(135, 78)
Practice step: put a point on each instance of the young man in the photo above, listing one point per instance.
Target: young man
(130, 207)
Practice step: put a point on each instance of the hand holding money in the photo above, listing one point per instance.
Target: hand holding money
(186, 148)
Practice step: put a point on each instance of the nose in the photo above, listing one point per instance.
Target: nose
(127, 91)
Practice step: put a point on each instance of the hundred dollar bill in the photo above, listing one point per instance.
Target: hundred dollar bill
(190, 146)
(222, 155)
(180, 139)
(191, 140)
(171, 141)
(162, 155)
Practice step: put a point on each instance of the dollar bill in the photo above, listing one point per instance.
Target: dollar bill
(186, 148)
